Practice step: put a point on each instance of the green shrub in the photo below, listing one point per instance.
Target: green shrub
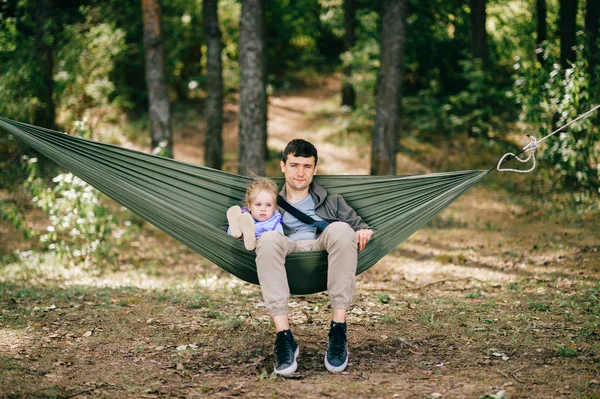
(81, 226)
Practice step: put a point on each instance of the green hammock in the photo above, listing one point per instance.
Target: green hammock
(189, 202)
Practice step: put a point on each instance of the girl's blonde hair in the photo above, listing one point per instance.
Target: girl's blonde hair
(258, 185)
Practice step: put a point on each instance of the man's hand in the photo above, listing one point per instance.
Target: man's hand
(362, 237)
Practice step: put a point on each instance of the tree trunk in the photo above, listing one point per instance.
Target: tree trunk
(592, 20)
(348, 93)
(158, 97)
(389, 79)
(567, 27)
(44, 113)
(213, 144)
(479, 48)
(253, 93)
(541, 28)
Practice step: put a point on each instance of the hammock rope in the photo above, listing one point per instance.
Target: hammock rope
(533, 145)
(189, 202)
(530, 148)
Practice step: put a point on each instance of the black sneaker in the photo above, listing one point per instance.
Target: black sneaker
(286, 352)
(336, 357)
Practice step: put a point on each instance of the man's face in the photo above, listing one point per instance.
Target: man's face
(298, 171)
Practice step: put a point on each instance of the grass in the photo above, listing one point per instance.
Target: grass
(540, 306)
(563, 351)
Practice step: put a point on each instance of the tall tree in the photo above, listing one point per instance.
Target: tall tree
(389, 78)
(479, 47)
(44, 113)
(592, 20)
(348, 93)
(213, 142)
(567, 26)
(541, 28)
(158, 98)
(253, 93)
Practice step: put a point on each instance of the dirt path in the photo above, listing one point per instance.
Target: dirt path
(496, 294)
(290, 115)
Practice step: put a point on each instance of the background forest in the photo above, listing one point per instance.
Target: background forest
(480, 68)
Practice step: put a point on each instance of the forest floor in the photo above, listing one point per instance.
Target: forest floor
(500, 292)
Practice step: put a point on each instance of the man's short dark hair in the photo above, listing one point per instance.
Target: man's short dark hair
(300, 148)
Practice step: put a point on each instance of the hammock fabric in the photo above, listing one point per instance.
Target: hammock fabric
(189, 202)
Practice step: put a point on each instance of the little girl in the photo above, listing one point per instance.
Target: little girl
(259, 215)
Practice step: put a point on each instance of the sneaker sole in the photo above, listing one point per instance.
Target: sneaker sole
(292, 367)
(336, 369)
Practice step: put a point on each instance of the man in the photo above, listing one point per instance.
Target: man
(341, 238)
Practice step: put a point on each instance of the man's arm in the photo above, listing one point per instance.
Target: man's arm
(347, 214)
(362, 237)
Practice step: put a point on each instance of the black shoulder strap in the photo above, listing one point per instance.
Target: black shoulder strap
(295, 212)
(301, 216)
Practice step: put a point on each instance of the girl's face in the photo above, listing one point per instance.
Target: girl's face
(262, 206)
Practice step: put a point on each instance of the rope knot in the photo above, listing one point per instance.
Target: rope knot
(530, 148)
(532, 145)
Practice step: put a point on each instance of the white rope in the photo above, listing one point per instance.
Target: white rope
(530, 148)
(570, 123)
(533, 144)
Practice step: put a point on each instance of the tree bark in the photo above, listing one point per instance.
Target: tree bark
(253, 93)
(348, 93)
(479, 48)
(158, 97)
(567, 27)
(592, 21)
(44, 113)
(389, 79)
(213, 144)
(541, 28)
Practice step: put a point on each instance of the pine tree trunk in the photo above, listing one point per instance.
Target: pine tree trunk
(479, 48)
(44, 113)
(541, 28)
(348, 93)
(567, 27)
(389, 79)
(213, 145)
(158, 98)
(253, 94)
(592, 20)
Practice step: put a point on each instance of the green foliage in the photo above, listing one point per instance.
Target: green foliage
(363, 58)
(12, 213)
(84, 66)
(182, 32)
(229, 16)
(550, 97)
(10, 152)
(18, 79)
(299, 37)
(483, 104)
(482, 107)
(81, 227)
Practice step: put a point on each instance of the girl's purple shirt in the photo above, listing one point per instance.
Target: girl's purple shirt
(271, 224)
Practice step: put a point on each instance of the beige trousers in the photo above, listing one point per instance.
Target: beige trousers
(338, 239)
